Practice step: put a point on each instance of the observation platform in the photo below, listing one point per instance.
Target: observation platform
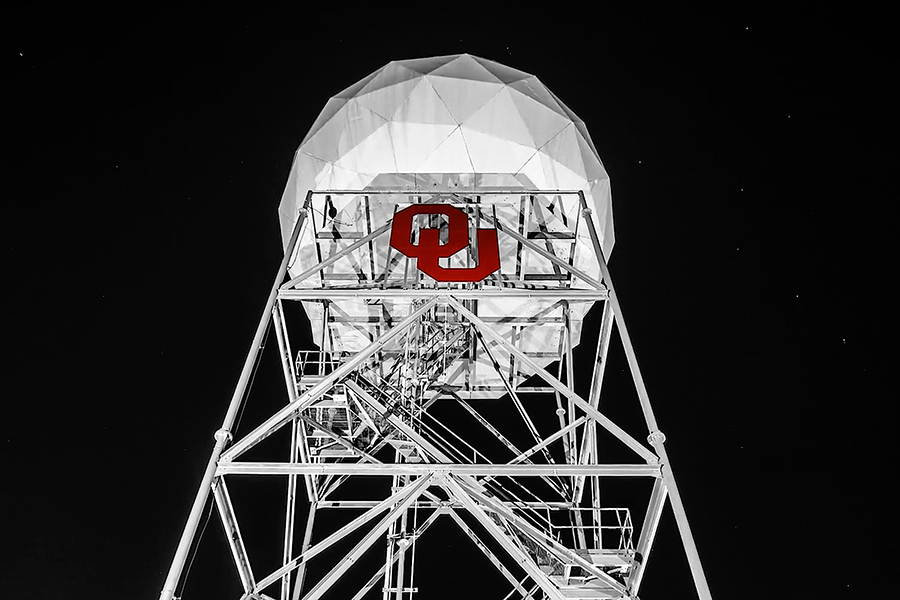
(355, 286)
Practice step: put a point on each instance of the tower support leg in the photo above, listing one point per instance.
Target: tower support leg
(307, 539)
(223, 435)
(656, 438)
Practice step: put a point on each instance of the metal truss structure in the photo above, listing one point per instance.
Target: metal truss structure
(462, 396)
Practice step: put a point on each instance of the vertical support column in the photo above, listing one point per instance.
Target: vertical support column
(390, 557)
(595, 503)
(656, 437)
(307, 539)
(401, 556)
(291, 377)
(648, 533)
(590, 453)
(233, 532)
(570, 381)
(412, 542)
(223, 435)
(290, 514)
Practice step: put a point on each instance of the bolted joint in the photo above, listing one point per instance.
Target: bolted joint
(656, 437)
(222, 436)
(586, 211)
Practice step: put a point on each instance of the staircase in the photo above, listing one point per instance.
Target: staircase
(576, 583)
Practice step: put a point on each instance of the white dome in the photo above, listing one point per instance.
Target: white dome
(455, 114)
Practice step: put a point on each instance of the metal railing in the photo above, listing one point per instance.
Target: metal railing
(611, 527)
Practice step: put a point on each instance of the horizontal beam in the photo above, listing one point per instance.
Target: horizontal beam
(477, 392)
(556, 321)
(570, 295)
(455, 191)
(390, 470)
(423, 504)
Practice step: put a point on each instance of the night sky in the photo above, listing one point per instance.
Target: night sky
(147, 153)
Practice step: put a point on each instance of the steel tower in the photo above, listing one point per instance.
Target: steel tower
(446, 226)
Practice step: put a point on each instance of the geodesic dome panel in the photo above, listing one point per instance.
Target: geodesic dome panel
(451, 114)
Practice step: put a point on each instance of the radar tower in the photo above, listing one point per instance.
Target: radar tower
(447, 224)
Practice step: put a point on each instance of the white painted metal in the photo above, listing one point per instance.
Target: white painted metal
(489, 472)
(223, 435)
(425, 382)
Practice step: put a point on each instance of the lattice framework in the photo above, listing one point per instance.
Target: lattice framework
(396, 350)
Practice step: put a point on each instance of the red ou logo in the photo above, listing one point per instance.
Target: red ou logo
(429, 249)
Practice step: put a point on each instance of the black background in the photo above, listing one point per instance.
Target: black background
(147, 151)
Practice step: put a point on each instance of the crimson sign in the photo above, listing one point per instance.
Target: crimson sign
(430, 249)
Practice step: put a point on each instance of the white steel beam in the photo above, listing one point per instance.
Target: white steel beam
(412, 540)
(522, 559)
(572, 295)
(337, 256)
(589, 439)
(475, 470)
(428, 504)
(289, 371)
(607, 424)
(648, 533)
(279, 418)
(548, 255)
(541, 537)
(397, 422)
(290, 511)
(452, 192)
(340, 440)
(354, 555)
(684, 528)
(307, 540)
(223, 435)
(515, 398)
(520, 455)
(552, 438)
(399, 497)
(490, 555)
(233, 533)
(359, 243)
(656, 437)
